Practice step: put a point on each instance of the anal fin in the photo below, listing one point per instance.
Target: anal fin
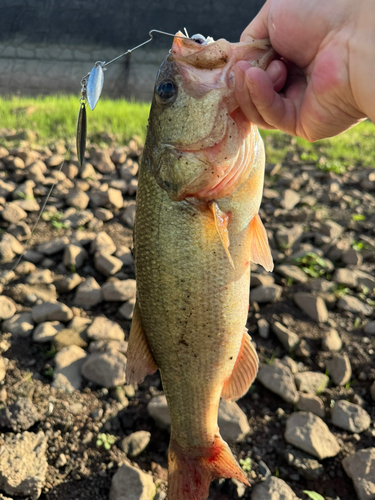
(244, 371)
(260, 252)
(221, 224)
(140, 361)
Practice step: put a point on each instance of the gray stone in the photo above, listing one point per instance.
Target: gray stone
(286, 238)
(3, 369)
(350, 417)
(263, 328)
(311, 382)
(102, 161)
(68, 283)
(339, 369)
(273, 488)
(79, 324)
(264, 294)
(53, 246)
(311, 403)
(289, 199)
(372, 391)
(345, 277)
(103, 214)
(51, 311)
(290, 363)
(135, 443)
(46, 331)
(365, 279)
(12, 242)
(306, 431)
(369, 329)
(67, 337)
(77, 199)
(125, 255)
(360, 467)
(292, 272)
(23, 292)
(313, 306)
(105, 329)
(119, 291)
(108, 345)
(19, 416)
(279, 379)
(128, 216)
(40, 277)
(354, 305)
(74, 256)
(331, 341)
(13, 213)
(232, 422)
(89, 293)
(68, 364)
(127, 309)
(7, 307)
(352, 258)
(257, 279)
(158, 410)
(105, 369)
(23, 464)
(288, 339)
(306, 466)
(332, 229)
(107, 264)
(131, 483)
(103, 243)
(20, 325)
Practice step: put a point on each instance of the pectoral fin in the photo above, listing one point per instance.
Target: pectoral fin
(260, 252)
(244, 371)
(140, 361)
(221, 224)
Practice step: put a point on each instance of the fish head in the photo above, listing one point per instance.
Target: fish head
(198, 137)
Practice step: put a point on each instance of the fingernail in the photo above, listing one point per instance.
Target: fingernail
(239, 78)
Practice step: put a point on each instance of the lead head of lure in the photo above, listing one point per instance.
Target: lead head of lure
(95, 83)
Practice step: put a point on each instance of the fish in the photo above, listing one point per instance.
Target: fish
(197, 230)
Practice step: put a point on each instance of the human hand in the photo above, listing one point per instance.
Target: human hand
(314, 91)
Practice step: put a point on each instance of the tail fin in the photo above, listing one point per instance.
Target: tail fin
(192, 470)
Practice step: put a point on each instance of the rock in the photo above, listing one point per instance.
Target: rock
(288, 339)
(130, 483)
(89, 293)
(311, 403)
(308, 467)
(53, 246)
(279, 379)
(68, 283)
(273, 488)
(290, 363)
(103, 243)
(265, 294)
(6, 252)
(351, 257)
(128, 216)
(263, 328)
(311, 382)
(292, 272)
(369, 329)
(309, 433)
(119, 291)
(365, 279)
(51, 311)
(350, 417)
(257, 279)
(103, 214)
(21, 231)
(31, 293)
(372, 391)
(105, 369)
(23, 464)
(107, 264)
(127, 309)
(105, 329)
(232, 422)
(135, 443)
(3, 369)
(125, 255)
(360, 467)
(79, 324)
(332, 229)
(102, 161)
(289, 199)
(286, 238)
(40, 277)
(74, 257)
(354, 305)
(12, 242)
(331, 341)
(109, 345)
(7, 307)
(77, 199)
(114, 198)
(28, 205)
(68, 364)
(46, 331)
(314, 307)
(20, 325)
(345, 277)
(67, 337)
(55, 160)
(13, 213)
(19, 416)
(339, 369)
(158, 410)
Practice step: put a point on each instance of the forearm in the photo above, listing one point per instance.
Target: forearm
(362, 60)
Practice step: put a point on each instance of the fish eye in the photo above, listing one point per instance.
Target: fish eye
(198, 38)
(166, 90)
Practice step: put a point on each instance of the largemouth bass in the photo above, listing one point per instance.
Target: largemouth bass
(197, 229)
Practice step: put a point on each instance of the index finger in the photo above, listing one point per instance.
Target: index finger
(258, 28)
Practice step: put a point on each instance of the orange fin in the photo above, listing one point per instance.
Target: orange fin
(259, 246)
(140, 361)
(244, 371)
(221, 224)
(190, 471)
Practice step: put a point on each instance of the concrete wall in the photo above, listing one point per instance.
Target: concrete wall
(47, 46)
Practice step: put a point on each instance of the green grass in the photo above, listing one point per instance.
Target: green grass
(54, 117)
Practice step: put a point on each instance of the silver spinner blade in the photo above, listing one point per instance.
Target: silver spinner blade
(95, 84)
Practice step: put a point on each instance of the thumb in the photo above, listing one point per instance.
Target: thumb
(258, 28)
